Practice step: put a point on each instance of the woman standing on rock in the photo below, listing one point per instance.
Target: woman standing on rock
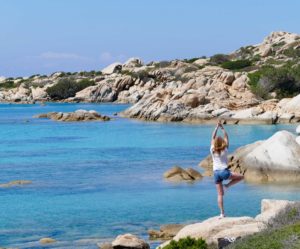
(219, 153)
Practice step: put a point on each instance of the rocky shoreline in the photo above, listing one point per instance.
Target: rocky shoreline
(238, 88)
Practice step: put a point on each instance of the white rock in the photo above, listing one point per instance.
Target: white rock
(292, 106)
(133, 62)
(2, 79)
(219, 112)
(129, 241)
(112, 68)
(279, 152)
(298, 129)
(38, 93)
(243, 114)
(298, 140)
(201, 62)
(271, 209)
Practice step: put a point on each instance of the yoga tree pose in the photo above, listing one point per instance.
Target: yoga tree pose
(219, 153)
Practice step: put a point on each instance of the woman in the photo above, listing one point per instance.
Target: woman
(219, 154)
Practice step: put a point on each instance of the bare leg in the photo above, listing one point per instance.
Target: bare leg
(220, 197)
(235, 178)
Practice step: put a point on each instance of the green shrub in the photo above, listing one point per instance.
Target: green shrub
(219, 59)
(187, 243)
(292, 52)
(141, 74)
(162, 64)
(66, 88)
(235, 65)
(286, 237)
(7, 84)
(284, 80)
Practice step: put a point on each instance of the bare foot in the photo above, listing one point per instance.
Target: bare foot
(222, 216)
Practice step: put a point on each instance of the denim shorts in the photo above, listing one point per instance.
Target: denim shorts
(221, 175)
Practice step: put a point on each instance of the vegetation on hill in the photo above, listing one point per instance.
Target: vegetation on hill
(284, 80)
(187, 243)
(287, 237)
(68, 87)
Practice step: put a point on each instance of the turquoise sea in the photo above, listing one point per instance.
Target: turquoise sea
(92, 181)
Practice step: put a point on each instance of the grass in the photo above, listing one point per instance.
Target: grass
(287, 237)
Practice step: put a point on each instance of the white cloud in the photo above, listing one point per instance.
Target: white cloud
(61, 56)
(108, 57)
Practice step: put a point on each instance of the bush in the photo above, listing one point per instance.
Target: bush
(162, 64)
(187, 243)
(235, 65)
(66, 88)
(7, 84)
(219, 59)
(292, 52)
(284, 80)
(287, 237)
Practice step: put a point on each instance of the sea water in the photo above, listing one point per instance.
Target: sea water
(94, 180)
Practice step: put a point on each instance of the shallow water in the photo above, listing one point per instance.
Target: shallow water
(95, 180)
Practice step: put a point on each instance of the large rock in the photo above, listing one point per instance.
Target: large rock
(298, 130)
(292, 106)
(79, 115)
(103, 92)
(212, 229)
(47, 241)
(278, 212)
(179, 174)
(112, 68)
(227, 78)
(129, 241)
(276, 159)
(38, 93)
(132, 63)
(272, 212)
(165, 232)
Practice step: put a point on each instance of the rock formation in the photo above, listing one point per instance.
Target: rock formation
(273, 213)
(177, 174)
(129, 241)
(79, 115)
(165, 232)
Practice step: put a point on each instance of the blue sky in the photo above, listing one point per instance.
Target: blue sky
(44, 36)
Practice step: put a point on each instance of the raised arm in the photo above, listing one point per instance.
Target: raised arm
(214, 134)
(225, 135)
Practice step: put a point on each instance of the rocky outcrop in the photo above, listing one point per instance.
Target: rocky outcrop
(179, 90)
(272, 212)
(129, 241)
(15, 183)
(79, 115)
(165, 232)
(276, 159)
(178, 174)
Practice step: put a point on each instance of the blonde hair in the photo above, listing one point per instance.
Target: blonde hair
(219, 144)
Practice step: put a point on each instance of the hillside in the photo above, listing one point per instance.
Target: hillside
(253, 84)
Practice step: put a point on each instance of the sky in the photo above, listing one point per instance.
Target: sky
(45, 36)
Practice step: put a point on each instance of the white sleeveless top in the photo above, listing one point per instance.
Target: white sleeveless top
(220, 162)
